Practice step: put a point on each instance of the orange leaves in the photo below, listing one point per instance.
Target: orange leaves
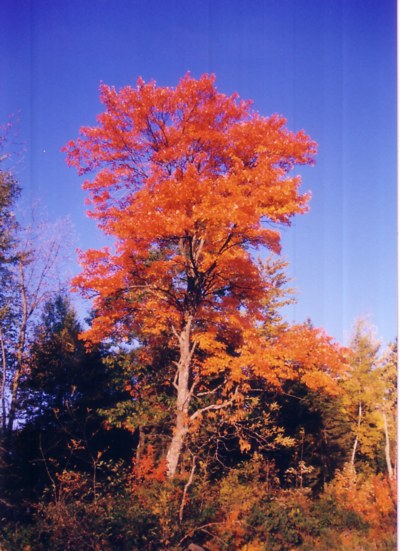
(297, 353)
(189, 181)
(147, 468)
(210, 149)
(311, 356)
(312, 347)
(369, 496)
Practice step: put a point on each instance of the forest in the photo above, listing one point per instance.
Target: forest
(185, 412)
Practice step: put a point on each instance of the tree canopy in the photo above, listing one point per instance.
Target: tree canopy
(191, 184)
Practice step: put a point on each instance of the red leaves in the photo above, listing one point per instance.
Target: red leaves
(209, 149)
(146, 468)
(189, 182)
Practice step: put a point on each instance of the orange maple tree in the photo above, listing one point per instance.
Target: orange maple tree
(191, 184)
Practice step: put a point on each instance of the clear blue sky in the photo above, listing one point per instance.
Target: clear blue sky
(328, 66)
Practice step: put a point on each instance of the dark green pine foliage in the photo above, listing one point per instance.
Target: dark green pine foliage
(62, 393)
(322, 437)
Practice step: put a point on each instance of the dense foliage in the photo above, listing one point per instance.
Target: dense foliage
(187, 413)
(86, 469)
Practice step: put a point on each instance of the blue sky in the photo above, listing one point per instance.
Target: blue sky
(328, 66)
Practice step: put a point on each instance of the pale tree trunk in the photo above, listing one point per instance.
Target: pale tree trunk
(20, 353)
(182, 400)
(37, 266)
(191, 248)
(185, 389)
(353, 455)
(387, 447)
(140, 446)
(3, 382)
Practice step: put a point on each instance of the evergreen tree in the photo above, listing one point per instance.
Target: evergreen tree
(62, 395)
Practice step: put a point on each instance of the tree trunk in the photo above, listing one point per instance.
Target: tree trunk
(387, 447)
(182, 401)
(353, 455)
(140, 446)
(174, 452)
(20, 353)
(3, 383)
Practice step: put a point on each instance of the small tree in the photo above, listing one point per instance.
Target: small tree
(388, 406)
(30, 256)
(191, 184)
(9, 191)
(365, 393)
(32, 279)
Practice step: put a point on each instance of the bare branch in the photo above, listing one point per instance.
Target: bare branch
(187, 485)
(211, 391)
(175, 381)
(214, 407)
(209, 408)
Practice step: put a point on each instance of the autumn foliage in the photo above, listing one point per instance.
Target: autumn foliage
(189, 414)
(191, 183)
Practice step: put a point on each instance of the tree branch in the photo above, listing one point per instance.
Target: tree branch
(213, 407)
(187, 485)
